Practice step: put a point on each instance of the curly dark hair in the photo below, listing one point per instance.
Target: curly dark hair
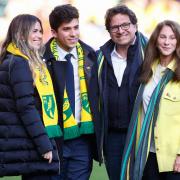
(119, 9)
(62, 14)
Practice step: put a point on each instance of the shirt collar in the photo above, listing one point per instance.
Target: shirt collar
(134, 40)
(170, 66)
(63, 53)
(115, 53)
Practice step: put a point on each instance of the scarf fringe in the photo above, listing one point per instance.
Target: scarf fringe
(71, 132)
(87, 128)
(75, 131)
(53, 131)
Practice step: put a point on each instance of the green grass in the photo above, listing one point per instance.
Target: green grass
(98, 173)
(11, 178)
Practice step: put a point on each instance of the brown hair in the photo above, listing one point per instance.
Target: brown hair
(119, 9)
(152, 52)
(62, 14)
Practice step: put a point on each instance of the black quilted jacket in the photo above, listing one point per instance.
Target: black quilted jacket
(23, 139)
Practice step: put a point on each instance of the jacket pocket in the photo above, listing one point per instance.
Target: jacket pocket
(170, 104)
(172, 96)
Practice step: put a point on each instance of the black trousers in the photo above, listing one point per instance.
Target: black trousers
(151, 171)
(113, 153)
(36, 177)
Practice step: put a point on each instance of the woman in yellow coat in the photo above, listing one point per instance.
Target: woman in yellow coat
(152, 150)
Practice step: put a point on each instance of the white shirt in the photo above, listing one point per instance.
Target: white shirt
(74, 61)
(148, 90)
(119, 65)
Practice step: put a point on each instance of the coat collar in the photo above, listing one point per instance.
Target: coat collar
(134, 55)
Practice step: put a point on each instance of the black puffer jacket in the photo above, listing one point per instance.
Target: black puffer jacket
(23, 139)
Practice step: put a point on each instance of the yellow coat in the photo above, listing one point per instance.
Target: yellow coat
(167, 127)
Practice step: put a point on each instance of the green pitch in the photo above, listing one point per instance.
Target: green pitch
(97, 174)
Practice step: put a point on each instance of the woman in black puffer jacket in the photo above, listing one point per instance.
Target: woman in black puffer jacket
(26, 102)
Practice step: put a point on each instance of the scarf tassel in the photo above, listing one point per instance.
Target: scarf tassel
(53, 131)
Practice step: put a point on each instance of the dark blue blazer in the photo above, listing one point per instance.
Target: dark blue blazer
(57, 70)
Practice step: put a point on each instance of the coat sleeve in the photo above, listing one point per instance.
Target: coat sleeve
(23, 89)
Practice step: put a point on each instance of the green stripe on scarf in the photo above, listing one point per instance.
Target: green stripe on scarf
(46, 93)
(134, 158)
(71, 128)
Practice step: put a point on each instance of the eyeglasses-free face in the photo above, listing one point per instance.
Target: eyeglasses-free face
(166, 42)
(67, 34)
(124, 26)
(122, 31)
(35, 38)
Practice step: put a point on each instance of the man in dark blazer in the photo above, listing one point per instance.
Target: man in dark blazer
(119, 62)
(72, 65)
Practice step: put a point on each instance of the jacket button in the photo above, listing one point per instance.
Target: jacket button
(156, 137)
(157, 149)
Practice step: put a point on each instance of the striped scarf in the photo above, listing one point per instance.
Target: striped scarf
(137, 142)
(46, 92)
(71, 128)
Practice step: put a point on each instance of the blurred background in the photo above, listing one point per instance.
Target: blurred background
(149, 13)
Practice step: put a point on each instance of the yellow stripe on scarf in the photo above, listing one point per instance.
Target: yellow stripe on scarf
(71, 128)
(85, 112)
(46, 92)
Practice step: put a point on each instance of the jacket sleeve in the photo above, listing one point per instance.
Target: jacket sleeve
(23, 89)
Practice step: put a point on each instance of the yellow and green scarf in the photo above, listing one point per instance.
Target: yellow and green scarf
(46, 92)
(71, 128)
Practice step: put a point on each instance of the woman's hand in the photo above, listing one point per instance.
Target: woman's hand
(48, 156)
(177, 164)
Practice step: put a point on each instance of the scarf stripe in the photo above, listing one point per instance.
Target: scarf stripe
(71, 128)
(46, 92)
(131, 136)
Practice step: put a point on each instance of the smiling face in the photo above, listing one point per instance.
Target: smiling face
(124, 36)
(35, 36)
(166, 42)
(67, 35)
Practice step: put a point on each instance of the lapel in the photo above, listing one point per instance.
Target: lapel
(107, 50)
(88, 65)
(58, 71)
